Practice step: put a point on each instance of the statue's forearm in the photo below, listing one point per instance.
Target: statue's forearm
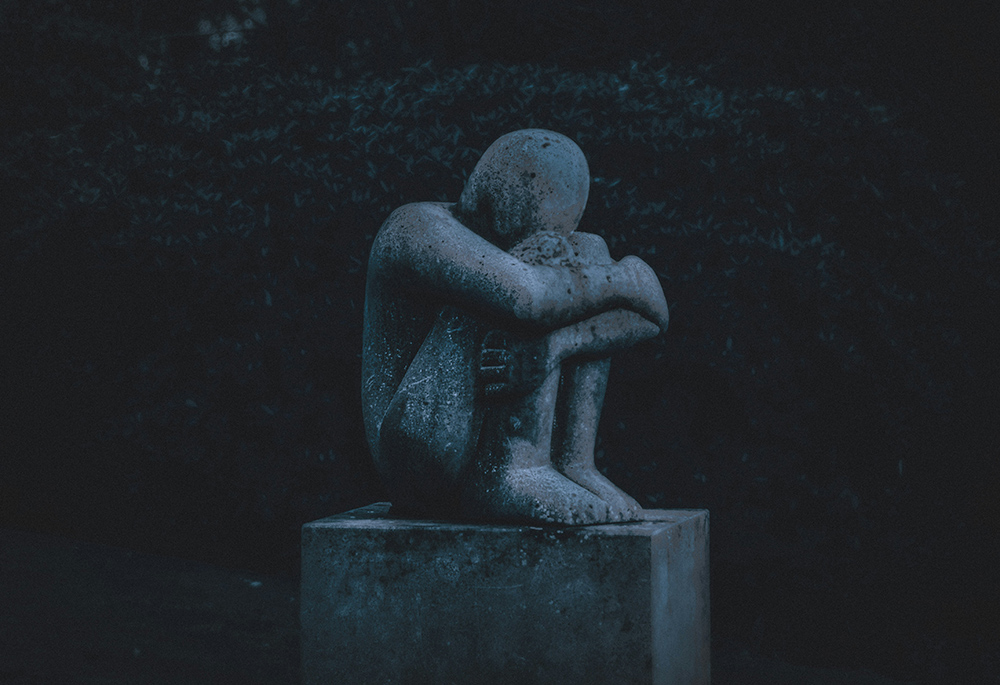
(600, 335)
(562, 295)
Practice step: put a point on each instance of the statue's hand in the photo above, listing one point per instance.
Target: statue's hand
(512, 366)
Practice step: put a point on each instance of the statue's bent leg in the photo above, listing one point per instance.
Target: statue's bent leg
(428, 435)
(514, 478)
(581, 398)
(579, 411)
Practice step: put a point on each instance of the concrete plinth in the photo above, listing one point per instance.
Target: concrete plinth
(389, 600)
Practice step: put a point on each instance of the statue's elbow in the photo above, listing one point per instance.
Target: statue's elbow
(529, 304)
(551, 300)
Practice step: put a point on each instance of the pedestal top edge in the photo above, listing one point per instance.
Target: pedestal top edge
(376, 516)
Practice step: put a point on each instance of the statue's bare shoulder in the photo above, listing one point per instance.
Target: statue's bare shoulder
(429, 229)
(398, 236)
(424, 248)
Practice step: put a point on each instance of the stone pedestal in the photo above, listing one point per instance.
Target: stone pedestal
(388, 600)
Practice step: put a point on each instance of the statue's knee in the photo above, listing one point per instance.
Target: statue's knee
(547, 248)
(590, 248)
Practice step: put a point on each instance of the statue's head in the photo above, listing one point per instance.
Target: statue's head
(527, 181)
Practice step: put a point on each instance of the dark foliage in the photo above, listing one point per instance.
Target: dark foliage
(183, 261)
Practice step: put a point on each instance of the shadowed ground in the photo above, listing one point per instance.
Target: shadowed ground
(82, 613)
(89, 614)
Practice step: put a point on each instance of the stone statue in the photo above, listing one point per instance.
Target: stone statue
(488, 329)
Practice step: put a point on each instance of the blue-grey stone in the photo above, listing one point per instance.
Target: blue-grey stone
(388, 600)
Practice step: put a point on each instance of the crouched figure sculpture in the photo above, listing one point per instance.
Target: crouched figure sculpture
(488, 328)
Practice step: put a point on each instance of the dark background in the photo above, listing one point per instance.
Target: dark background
(833, 403)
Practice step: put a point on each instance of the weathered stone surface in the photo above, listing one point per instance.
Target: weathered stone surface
(389, 600)
(488, 328)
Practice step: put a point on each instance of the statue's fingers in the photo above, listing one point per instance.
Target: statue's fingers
(493, 374)
(493, 357)
(494, 390)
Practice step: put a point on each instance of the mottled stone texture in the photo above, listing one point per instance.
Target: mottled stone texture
(489, 326)
(389, 600)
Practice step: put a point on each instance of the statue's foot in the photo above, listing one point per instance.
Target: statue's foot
(621, 507)
(538, 493)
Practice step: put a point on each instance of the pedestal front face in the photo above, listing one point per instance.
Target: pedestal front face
(400, 601)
